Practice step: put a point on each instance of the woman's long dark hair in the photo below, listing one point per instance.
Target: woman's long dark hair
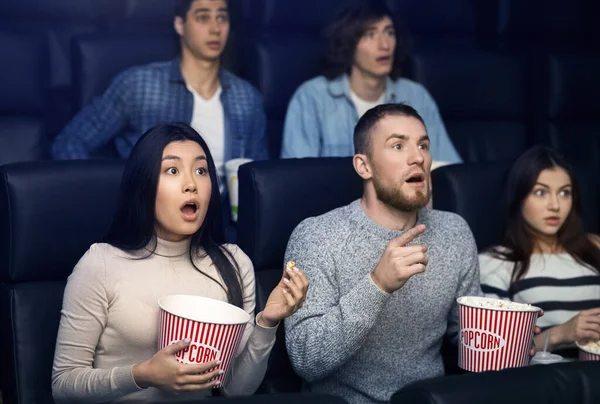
(133, 224)
(518, 243)
(345, 32)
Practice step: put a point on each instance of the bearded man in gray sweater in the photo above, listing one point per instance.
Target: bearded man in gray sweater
(385, 271)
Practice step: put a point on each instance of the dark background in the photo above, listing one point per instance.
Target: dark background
(506, 74)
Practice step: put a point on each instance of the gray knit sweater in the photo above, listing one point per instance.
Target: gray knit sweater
(351, 338)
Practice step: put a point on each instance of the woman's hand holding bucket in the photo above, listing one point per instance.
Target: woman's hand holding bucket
(165, 372)
(584, 326)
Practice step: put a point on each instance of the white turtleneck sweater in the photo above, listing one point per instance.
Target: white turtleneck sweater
(109, 322)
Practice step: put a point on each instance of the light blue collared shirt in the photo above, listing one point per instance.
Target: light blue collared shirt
(321, 117)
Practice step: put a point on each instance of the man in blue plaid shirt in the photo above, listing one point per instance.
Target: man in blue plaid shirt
(226, 110)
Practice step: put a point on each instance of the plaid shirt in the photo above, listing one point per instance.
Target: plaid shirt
(144, 96)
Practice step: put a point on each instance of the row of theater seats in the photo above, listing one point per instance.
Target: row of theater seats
(507, 23)
(50, 213)
(59, 21)
(495, 104)
(511, 23)
(498, 69)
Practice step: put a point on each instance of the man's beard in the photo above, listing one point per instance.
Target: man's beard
(393, 196)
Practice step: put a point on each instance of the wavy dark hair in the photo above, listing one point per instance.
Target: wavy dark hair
(518, 242)
(134, 221)
(344, 33)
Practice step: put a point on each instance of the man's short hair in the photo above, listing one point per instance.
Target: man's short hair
(182, 7)
(344, 33)
(362, 130)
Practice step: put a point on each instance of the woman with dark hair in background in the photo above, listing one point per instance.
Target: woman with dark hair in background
(364, 55)
(166, 238)
(546, 258)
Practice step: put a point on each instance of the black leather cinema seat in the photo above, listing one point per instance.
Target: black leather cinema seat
(282, 47)
(50, 213)
(23, 78)
(275, 196)
(290, 398)
(476, 191)
(573, 123)
(264, 58)
(99, 58)
(483, 99)
(59, 21)
(541, 384)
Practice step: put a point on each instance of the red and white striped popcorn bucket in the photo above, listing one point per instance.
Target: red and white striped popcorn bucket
(214, 327)
(586, 353)
(494, 334)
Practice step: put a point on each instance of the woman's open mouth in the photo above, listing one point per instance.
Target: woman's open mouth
(190, 210)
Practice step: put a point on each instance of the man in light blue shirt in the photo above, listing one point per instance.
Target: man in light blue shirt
(362, 72)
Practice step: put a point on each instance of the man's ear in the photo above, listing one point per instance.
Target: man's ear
(362, 166)
(178, 25)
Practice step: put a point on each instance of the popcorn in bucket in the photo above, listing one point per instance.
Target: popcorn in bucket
(494, 334)
(589, 351)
